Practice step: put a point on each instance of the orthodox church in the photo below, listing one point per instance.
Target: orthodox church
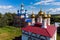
(21, 18)
(40, 30)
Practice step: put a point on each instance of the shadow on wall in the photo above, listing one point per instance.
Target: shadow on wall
(18, 38)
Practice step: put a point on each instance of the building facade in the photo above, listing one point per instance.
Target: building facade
(40, 30)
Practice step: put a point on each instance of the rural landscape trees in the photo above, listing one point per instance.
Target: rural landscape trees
(6, 19)
(9, 31)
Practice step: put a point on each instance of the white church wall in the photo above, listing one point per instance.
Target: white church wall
(24, 37)
(48, 38)
(53, 38)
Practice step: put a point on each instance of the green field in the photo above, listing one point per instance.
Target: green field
(58, 36)
(9, 33)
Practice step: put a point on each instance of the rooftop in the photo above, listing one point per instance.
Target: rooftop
(49, 31)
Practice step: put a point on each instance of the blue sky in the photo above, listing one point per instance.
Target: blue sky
(52, 6)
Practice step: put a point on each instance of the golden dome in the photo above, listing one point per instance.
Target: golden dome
(45, 16)
(49, 15)
(44, 13)
(32, 16)
(40, 13)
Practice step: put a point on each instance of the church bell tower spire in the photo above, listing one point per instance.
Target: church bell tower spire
(22, 8)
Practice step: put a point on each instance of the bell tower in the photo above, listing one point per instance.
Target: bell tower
(22, 8)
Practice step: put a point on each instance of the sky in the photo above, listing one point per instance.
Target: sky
(48, 6)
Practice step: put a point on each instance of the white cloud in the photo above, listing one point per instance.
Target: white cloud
(3, 11)
(54, 10)
(9, 8)
(43, 2)
(55, 3)
(5, 7)
(47, 2)
(32, 7)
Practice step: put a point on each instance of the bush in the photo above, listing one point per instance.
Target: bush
(3, 21)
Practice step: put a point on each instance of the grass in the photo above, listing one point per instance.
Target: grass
(9, 33)
(58, 36)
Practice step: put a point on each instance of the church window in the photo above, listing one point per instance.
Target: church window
(29, 38)
(38, 36)
(34, 35)
(26, 33)
(30, 33)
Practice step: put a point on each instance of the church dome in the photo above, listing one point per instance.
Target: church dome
(49, 15)
(22, 5)
(40, 13)
(32, 16)
(45, 15)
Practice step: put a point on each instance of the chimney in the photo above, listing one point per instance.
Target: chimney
(44, 23)
(40, 16)
(48, 19)
(33, 18)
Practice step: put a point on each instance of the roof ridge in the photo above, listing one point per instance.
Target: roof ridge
(48, 32)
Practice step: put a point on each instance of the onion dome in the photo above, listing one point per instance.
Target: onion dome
(49, 15)
(22, 5)
(45, 15)
(25, 11)
(18, 11)
(40, 13)
(32, 16)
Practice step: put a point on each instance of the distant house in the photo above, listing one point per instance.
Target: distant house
(57, 24)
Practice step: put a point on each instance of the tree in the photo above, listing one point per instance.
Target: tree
(55, 18)
(0, 15)
(10, 18)
(3, 21)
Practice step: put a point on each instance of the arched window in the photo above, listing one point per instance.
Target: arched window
(26, 33)
(34, 35)
(30, 33)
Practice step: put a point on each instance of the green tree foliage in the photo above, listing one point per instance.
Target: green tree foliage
(55, 18)
(0, 15)
(3, 21)
(10, 18)
(7, 19)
